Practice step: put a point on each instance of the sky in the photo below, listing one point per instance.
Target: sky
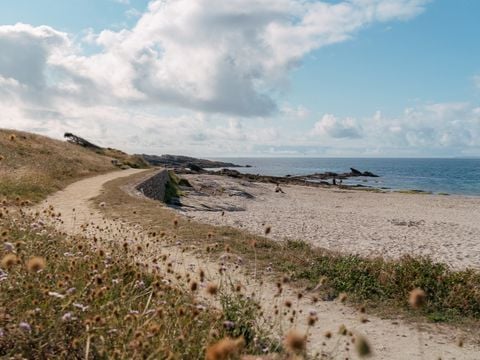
(219, 78)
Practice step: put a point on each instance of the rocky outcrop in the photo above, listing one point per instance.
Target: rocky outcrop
(155, 186)
(354, 172)
(185, 162)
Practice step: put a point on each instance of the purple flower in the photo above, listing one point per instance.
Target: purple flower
(25, 326)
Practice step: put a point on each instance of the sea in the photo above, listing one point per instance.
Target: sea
(453, 176)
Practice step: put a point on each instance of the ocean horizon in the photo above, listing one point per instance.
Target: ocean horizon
(456, 176)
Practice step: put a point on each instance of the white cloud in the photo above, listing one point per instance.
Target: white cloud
(189, 70)
(214, 56)
(333, 127)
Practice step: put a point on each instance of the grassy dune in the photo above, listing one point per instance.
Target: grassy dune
(33, 166)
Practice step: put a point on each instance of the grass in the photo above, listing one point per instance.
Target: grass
(33, 166)
(172, 189)
(452, 296)
(85, 301)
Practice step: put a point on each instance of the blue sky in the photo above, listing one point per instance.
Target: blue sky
(251, 78)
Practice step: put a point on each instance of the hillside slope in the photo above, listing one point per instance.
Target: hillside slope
(33, 166)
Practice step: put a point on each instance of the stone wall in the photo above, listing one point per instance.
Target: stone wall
(154, 187)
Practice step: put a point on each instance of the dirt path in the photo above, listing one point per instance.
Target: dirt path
(390, 339)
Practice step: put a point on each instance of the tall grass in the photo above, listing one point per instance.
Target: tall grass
(83, 301)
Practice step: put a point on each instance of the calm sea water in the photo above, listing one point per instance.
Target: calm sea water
(452, 176)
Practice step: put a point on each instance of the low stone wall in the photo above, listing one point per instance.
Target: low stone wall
(154, 187)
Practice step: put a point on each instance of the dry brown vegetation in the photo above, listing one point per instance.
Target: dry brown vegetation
(33, 166)
(69, 298)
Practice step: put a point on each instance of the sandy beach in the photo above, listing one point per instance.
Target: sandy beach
(445, 228)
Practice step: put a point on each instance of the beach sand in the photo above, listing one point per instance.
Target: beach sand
(445, 228)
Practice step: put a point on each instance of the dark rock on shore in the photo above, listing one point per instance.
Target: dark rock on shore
(355, 172)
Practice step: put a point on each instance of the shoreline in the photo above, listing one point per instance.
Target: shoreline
(366, 223)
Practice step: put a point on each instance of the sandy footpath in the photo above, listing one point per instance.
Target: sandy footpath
(390, 338)
(445, 228)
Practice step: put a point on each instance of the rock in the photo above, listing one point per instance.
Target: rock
(194, 167)
(240, 193)
(230, 172)
(356, 172)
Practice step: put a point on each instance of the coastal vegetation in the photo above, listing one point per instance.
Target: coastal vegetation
(452, 295)
(68, 298)
(33, 166)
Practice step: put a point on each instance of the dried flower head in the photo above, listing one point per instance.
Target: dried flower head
(268, 230)
(36, 264)
(212, 289)
(362, 346)
(225, 349)
(295, 342)
(417, 298)
(9, 260)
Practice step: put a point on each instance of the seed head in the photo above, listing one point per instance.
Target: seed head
(9, 260)
(36, 264)
(212, 289)
(295, 342)
(362, 346)
(417, 298)
(225, 349)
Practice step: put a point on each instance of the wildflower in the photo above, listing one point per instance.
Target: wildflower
(417, 298)
(295, 342)
(9, 247)
(67, 317)
(56, 295)
(80, 306)
(362, 346)
(229, 325)
(36, 264)
(225, 349)
(3, 275)
(25, 326)
(9, 260)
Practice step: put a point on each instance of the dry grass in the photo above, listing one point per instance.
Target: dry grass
(69, 298)
(385, 285)
(33, 166)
